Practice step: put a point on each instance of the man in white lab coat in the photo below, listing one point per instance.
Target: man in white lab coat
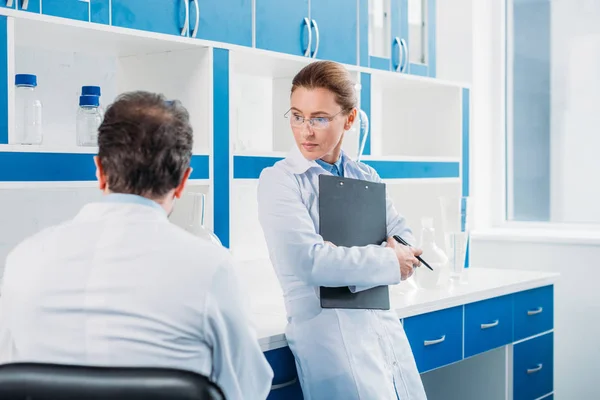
(119, 285)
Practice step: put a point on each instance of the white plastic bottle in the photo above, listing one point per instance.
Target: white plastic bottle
(88, 120)
(28, 110)
(434, 256)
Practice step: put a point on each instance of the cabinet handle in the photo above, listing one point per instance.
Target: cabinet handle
(285, 384)
(536, 311)
(9, 3)
(25, 5)
(317, 38)
(490, 325)
(534, 370)
(400, 52)
(186, 23)
(404, 67)
(436, 341)
(197, 6)
(309, 28)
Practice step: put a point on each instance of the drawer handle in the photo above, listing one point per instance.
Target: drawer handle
(534, 370)
(490, 325)
(285, 384)
(536, 311)
(9, 3)
(436, 341)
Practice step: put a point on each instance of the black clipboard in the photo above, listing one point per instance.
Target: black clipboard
(352, 212)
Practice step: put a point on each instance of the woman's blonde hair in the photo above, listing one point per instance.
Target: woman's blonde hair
(331, 76)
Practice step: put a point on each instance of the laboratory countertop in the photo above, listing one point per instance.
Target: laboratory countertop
(476, 284)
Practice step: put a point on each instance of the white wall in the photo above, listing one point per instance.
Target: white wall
(575, 118)
(576, 303)
(454, 40)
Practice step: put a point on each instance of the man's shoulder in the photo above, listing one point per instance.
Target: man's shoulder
(37, 241)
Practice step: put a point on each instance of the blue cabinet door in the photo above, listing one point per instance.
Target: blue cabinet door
(72, 9)
(8, 3)
(416, 68)
(335, 30)
(436, 338)
(395, 60)
(533, 367)
(29, 5)
(283, 26)
(151, 15)
(100, 11)
(488, 324)
(227, 21)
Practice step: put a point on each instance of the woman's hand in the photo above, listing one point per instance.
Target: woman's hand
(407, 257)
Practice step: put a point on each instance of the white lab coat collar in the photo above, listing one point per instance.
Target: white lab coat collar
(297, 164)
(121, 211)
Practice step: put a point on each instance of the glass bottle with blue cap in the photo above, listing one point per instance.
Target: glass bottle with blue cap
(88, 120)
(28, 110)
(94, 91)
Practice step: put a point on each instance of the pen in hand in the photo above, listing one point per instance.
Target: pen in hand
(404, 242)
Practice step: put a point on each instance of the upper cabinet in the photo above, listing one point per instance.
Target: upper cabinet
(421, 22)
(398, 35)
(284, 26)
(72, 9)
(385, 46)
(24, 5)
(316, 29)
(170, 17)
(335, 31)
(228, 21)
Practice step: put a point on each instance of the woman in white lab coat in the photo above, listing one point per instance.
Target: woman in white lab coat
(340, 353)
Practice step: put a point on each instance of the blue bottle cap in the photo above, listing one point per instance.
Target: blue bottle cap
(26, 80)
(91, 91)
(89, 101)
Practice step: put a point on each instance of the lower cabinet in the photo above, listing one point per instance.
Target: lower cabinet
(436, 338)
(285, 377)
(533, 367)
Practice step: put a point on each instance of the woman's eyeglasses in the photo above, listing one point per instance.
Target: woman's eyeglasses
(316, 123)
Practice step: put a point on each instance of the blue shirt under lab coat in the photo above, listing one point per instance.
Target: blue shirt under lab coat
(119, 285)
(340, 354)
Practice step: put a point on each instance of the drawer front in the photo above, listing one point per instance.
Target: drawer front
(533, 367)
(533, 312)
(283, 364)
(488, 325)
(286, 392)
(435, 338)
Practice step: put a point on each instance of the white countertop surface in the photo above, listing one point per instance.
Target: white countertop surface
(268, 311)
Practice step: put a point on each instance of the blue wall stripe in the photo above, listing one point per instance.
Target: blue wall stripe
(365, 104)
(415, 169)
(249, 167)
(65, 167)
(221, 144)
(466, 128)
(4, 81)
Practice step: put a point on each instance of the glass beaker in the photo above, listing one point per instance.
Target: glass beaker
(456, 218)
(195, 224)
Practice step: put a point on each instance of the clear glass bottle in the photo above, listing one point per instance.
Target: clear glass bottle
(28, 110)
(94, 91)
(88, 120)
(435, 256)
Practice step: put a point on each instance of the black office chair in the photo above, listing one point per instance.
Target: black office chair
(32, 381)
